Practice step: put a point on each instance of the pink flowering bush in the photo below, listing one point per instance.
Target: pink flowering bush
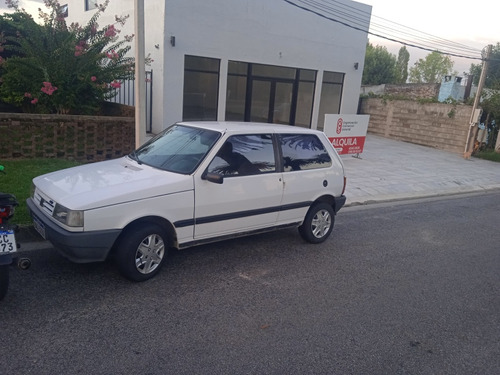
(48, 88)
(115, 84)
(56, 68)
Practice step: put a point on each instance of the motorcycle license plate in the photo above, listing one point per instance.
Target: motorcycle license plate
(7, 241)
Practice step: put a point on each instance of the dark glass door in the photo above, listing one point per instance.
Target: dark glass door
(271, 101)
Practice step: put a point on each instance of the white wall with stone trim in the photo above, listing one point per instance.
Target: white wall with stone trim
(269, 32)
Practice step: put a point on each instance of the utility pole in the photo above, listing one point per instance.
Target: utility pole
(140, 75)
(473, 118)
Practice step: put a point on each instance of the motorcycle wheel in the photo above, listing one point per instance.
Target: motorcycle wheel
(4, 280)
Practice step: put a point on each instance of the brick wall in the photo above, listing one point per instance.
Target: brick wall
(438, 125)
(414, 90)
(82, 138)
(411, 91)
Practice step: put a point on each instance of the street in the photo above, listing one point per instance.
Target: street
(407, 287)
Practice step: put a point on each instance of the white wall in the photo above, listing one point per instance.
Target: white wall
(259, 31)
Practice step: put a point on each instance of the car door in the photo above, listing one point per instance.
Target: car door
(250, 193)
(307, 174)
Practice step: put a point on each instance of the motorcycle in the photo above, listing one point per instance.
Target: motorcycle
(8, 244)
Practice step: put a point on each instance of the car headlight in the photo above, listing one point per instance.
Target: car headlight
(71, 218)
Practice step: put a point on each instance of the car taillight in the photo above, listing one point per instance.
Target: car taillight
(345, 183)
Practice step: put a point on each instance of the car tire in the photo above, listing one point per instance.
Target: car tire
(318, 223)
(4, 280)
(142, 251)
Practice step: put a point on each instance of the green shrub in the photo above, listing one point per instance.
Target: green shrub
(53, 68)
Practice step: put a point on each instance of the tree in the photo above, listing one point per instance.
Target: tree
(401, 69)
(491, 98)
(432, 69)
(54, 68)
(379, 66)
(493, 76)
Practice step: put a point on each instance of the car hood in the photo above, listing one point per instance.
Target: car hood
(109, 182)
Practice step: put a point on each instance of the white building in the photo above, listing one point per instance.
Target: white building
(246, 60)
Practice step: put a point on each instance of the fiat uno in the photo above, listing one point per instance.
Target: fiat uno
(194, 183)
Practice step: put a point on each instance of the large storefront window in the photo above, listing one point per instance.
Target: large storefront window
(267, 93)
(201, 88)
(331, 95)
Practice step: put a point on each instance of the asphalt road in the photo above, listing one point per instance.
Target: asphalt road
(403, 288)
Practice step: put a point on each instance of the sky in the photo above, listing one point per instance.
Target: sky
(474, 25)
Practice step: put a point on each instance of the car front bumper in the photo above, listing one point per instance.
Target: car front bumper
(78, 247)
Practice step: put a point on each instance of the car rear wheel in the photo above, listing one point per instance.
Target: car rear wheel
(141, 252)
(318, 223)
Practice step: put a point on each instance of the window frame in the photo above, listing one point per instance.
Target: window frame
(250, 72)
(330, 80)
(272, 143)
(280, 142)
(216, 77)
(91, 5)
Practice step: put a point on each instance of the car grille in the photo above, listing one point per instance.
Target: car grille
(44, 202)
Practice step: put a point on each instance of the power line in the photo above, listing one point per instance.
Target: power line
(357, 19)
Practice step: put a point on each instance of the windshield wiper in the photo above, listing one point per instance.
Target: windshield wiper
(134, 156)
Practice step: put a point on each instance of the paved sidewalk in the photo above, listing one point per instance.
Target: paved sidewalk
(392, 170)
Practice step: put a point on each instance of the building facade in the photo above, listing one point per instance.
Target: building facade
(245, 60)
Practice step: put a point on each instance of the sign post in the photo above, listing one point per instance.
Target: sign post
(347, 132)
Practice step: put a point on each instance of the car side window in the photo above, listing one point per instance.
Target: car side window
(303, 152)
(243, 155)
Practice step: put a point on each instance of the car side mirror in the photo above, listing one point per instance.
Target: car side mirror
(213, 177)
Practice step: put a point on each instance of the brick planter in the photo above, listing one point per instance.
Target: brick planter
(82, 138)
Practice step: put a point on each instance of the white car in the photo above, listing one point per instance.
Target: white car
(194, 183)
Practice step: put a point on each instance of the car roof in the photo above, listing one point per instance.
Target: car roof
(237, 127)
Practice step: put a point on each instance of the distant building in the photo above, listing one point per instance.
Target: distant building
(456, 88)
(245, 60)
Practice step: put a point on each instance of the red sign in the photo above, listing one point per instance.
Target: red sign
(348, 145)
(347, 132)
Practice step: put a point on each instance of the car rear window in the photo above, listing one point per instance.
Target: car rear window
(303, 152)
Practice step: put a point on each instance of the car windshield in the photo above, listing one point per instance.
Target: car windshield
(178, 149)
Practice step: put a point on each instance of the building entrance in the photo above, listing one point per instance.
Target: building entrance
(267, 93)
(271, 101)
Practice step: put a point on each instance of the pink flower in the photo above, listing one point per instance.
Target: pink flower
(112, 54)
(27, 95)
(48, 88)
(93, 78)
(78, 50)
(110, 32)
(34, 101)
(115, 84)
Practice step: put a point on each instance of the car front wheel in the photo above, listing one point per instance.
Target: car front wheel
(141, 252)
(318, 223)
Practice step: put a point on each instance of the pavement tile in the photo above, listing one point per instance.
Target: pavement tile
(389, 169)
